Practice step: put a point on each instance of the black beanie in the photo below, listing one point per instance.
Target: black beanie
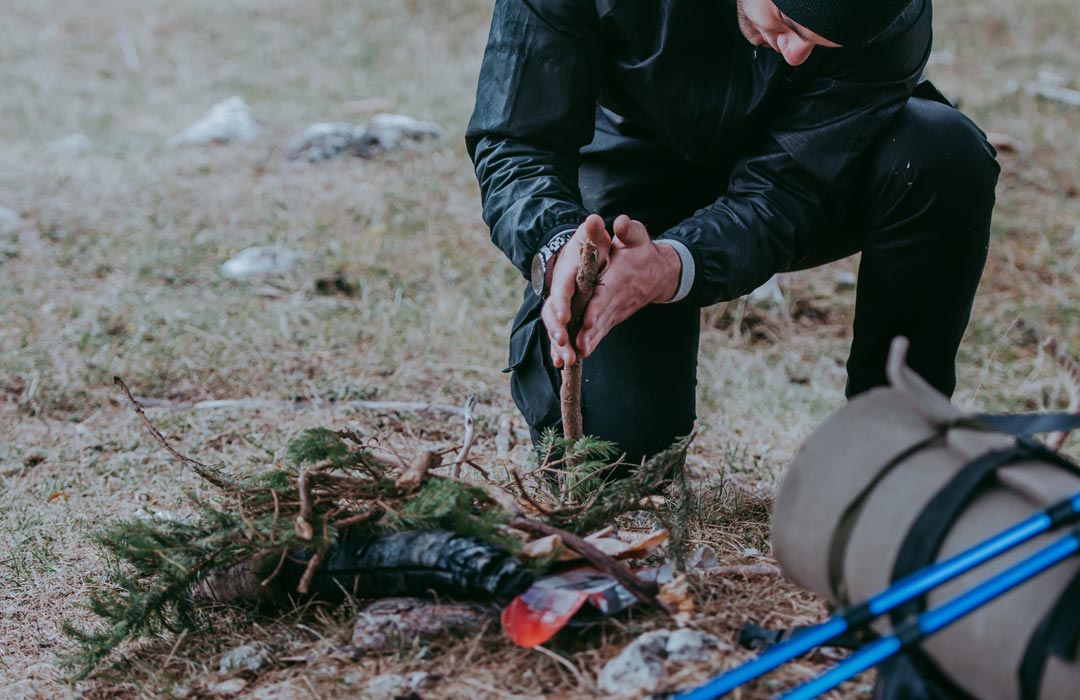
(847, 22)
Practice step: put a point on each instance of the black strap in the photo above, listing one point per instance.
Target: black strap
(923, 541)
(1058, 634)
(753, 636)
(1026, 424)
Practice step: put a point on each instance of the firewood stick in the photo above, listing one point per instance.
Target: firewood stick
(588, 277)
(644, 591)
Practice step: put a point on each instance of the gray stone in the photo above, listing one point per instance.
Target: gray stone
(687, 645)
(640, 668)
(390, 619)
(389, 686)
(324, 141)
(229, 687)
(249, 657)
(386, 132)
(259, 261)
(228, 121)
(392, 129)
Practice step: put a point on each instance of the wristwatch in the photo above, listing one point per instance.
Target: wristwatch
(540, 262)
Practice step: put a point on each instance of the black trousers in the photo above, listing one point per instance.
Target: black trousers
(917, 205)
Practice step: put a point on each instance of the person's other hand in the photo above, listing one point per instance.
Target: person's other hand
(638, 273)
(556, 311)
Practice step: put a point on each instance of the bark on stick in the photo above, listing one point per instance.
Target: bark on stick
(588, 277)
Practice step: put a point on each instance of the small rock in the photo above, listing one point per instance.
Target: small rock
(324, 141)
(249, 657)
(10, 221)
(702, 559)
(287, 690)
(320, 142)
(770, 292)
(639, 669)
(687, 645)
(1046, 76)
(71, 145)
(390, 686)
(408, 618)
(259, 261)
(390, 129)
(226, 122)
(846, 278)
(1066, 96)
(229, 687)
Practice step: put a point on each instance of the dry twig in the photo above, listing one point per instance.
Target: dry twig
(309, 573)
(470, 435)
(644, 591)
(412, 477)
(505, 437)
(359, 518)
(199, 468)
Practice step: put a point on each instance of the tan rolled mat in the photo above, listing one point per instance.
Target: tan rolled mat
(847, 502)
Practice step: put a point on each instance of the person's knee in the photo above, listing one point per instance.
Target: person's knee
(936, 156)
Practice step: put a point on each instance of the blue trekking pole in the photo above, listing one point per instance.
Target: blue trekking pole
(931, 621)
(899, 593)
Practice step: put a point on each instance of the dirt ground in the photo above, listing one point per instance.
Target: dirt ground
(113, 268)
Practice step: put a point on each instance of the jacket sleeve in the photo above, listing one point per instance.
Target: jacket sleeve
(826, 122)
(535, 108)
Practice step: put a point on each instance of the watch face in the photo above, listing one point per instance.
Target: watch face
(538, 275)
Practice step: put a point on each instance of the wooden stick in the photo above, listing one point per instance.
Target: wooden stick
(198, 467)
(644, 591)
(309, 573)
(415, 474)
(588, 277)
(358, 519)
(303, 519)
(470, 435)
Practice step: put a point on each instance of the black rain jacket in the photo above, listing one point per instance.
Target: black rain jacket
(682, 71)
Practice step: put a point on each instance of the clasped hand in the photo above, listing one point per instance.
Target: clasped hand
(634, 272)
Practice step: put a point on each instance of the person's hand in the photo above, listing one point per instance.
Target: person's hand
(556, 311)
(638, 273)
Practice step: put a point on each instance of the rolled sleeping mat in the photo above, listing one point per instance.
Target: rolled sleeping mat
(900, 478)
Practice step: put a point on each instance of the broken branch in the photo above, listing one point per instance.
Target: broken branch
(644, 591)
(309, 573)
(411, 479)
(198, 467)
(470, 404)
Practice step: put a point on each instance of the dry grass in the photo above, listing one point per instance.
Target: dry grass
(116, 272)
